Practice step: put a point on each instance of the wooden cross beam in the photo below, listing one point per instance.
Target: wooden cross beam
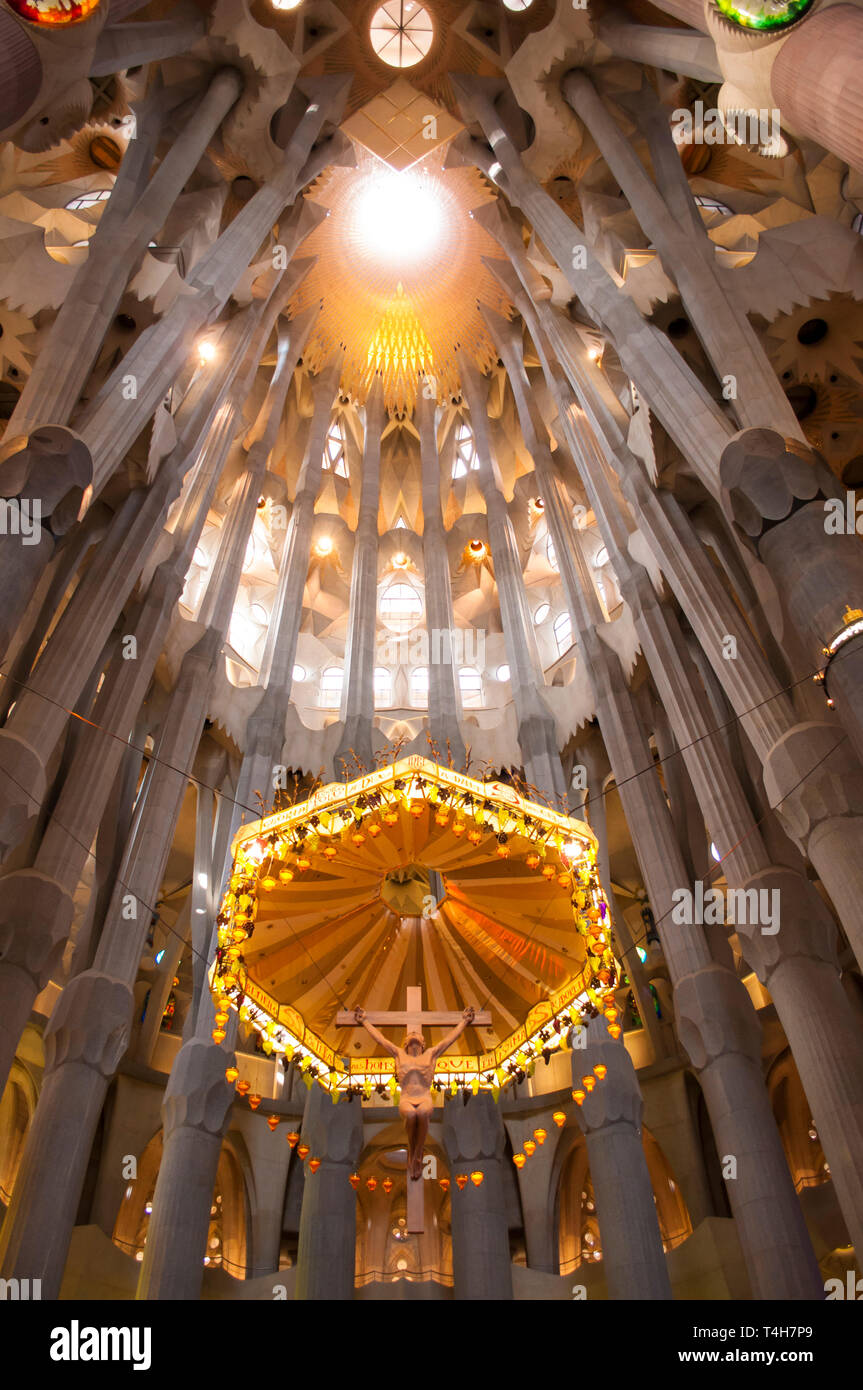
(413, 1017)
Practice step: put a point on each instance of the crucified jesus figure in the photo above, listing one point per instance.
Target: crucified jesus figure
(414, 1073)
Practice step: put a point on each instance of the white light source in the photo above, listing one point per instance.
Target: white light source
(715, 852)
(517, 5)
(396, 217)
(286, 4)
(323, 547)
(502, 673)
(299, 673)
(202, 880)
(206, 351)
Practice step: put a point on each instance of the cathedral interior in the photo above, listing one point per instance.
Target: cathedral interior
(449, 627)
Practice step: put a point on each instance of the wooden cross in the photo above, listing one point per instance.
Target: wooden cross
(412, 1019)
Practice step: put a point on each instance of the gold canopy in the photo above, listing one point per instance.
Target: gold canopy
(332, 904)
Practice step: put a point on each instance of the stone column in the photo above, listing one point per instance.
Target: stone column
(716, 1021)
(817, 796)
(799, 955)
(31, 734)
(141, 872)
(667, 384)
(194, 1117)
(817, 81)
(677, 50)
(537, 735)
(326, 1256)
(36, 904)
(134, 213)
(444, 692)
(610, 1117)
(195, 1144)
(535, 1181)
(358, 699)
(672, 223)
(473, 1137)
(788, 508)
(84, 1043)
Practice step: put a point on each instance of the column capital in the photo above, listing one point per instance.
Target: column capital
(472, 1132)
(334, 1133)
(197, 1095)
(90, 1024)
(35, 917)
(616, 1099)
(715, 1017)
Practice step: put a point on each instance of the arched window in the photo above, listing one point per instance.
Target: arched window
(551, 554)
(84, 201)
(419, 687)
(335, 459)
(563, 632)
(401, 607)
(465, 451)
(332, 680)
(383, 687)
(541, 613)
(470, 685)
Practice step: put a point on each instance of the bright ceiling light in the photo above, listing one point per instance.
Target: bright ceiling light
(397, 218)
(206, 351)
(324, 546)
(285, 4)
(518, 4)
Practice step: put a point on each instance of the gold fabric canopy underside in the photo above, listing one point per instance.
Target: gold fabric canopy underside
(522, 929)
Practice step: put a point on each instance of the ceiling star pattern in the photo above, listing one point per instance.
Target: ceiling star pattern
(402, 317)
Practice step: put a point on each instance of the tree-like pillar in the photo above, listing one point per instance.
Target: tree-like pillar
(358, 700)
(444, 692)
(195, 1113)
(817, 81)
(665, 381)
(133, 214)
(610, 1116)
(672, 223)
(326, 1257)
(788, 508)
(537, 735)
(813, 785)
(474, 1140)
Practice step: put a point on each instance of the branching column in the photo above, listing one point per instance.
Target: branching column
(716, 1021)
(536, 728)
(89, 1021)
(474, 1140)
(610, 1116)
(358, 702)
(444, 693)
(673, 225)
(326, 1257)
(816, 790)
(672, 390)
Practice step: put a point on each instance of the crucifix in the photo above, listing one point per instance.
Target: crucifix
(415, 1065)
